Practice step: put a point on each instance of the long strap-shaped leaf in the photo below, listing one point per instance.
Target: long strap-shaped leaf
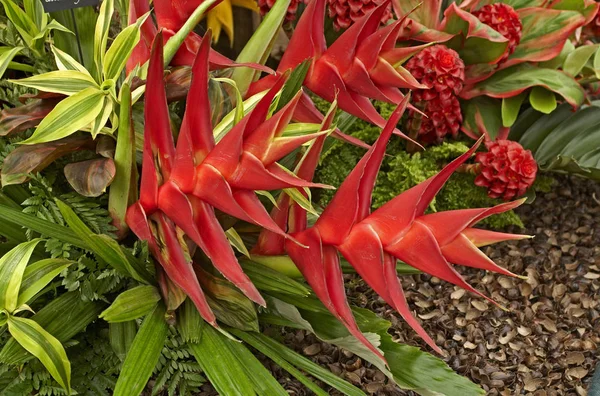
(12, 267)
(44, 346)
(143, 354)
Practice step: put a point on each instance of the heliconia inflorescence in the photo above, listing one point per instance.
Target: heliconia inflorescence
(361, 65)
(182, 184)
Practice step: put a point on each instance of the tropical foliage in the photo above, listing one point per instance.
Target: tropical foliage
(158, 206)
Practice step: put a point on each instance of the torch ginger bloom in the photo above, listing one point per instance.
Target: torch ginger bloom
(372, 242)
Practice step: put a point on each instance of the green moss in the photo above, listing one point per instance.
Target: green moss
(401, 171)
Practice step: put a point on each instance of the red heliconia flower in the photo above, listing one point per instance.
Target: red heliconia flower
(170, 17)
(506, 169)
(362, 64)
(266, 5)
(372, 242)
(505, 20)
(181, 186)
(443, 72)
(345, 12)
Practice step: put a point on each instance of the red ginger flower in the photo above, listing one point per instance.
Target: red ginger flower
(266, 5)
(505, 20)
(181, 186)
(362, 64)
(345, 12)
(372, 242)
(443, 72)
(506, 169)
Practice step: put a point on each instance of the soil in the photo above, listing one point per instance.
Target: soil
(547, 341)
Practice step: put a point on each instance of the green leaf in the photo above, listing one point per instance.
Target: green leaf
(576, 60)
(53, 25)
(6, 58)
(25, 26)
(177, 39)
(63, 317)
(35, 11)
(268, 279)
(12, 267)
(288, 360)
(132, 304)
(121, 336)
(102, 118)
(293, 84)
(564, 141)
(69, 116)
(516, 79)
(121, 49)
(37, 276)
(85, 18)
(510, 109)
(227, 122)
(123, 190)
(409, 367)
(264, 382)
(236, 241)
(189, 322)
(37, 341)
(258, 48)
(65, 62)
(143, 354)
(66, 82)
(101, 35)
(542, 100)
(220, 364)
(103, 246)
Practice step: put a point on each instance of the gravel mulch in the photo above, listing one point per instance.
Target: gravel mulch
(546, 344)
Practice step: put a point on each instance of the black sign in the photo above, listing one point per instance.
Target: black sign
(59, 5)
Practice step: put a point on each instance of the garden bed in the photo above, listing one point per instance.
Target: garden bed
(546, 344)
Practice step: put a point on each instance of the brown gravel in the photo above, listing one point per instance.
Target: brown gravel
(546, 344)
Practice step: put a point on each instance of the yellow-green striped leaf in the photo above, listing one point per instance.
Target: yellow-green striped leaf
(25, 26)
(103, 117)
(143, 354)
(43, 346)
(69, 116)
(101, 35)
(121, 49)
(132, 304)
(6, 56)
(66, 82)
(66, 62)
(38, 275)
(12, 267)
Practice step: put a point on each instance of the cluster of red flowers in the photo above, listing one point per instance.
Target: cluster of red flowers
(443, 72)
(505, 20)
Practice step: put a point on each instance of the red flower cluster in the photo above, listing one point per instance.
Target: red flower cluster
(345, 12)
(506, 169)
(442, 70)
(266, 5)
(505, 20)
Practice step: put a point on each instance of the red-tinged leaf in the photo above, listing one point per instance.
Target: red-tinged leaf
(512, 81)
(91, 178)
(24, 160)
(321, 268)
(483, 117)
(426, 13)
(475, 41)
(159, 149)
(17, 119)
(413, 30)
(352, 201)
(544, 34)
(364, 252)
(172, 294)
